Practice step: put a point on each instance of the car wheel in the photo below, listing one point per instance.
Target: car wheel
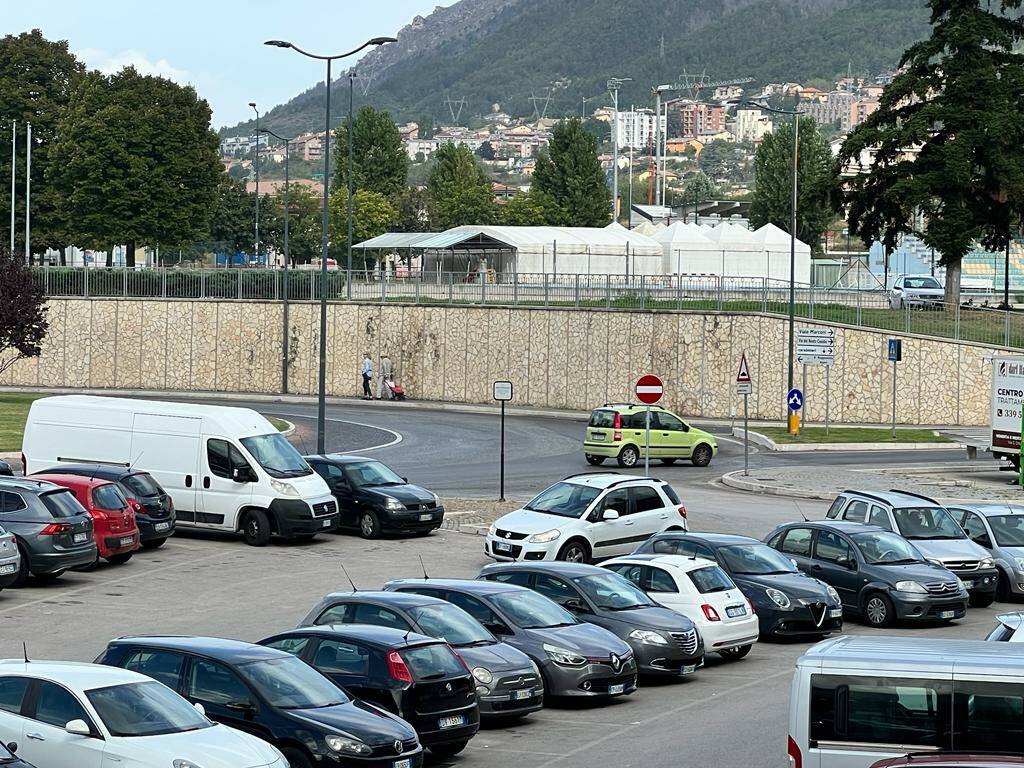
(296, 759)
(448, 750)
(48, 577)
(983, 600)
(628, 456)
(879, 611)
(701, 455)
(421, 534)
(1003, 592)
(574, 552)
(256, 528)
(735, 654)
(121, 559)
(369, 526)
(594, 461)
(154, 543)
(22, 577)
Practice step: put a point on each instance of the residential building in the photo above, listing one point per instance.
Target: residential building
(728, 92)
(859, 112)
(678, 146)
(751, 124)
(409, 131)
(832, 108)
(696, 118)
(426, 147)
(635, 128)
(275, 187)
(308, 146)
(810, 93)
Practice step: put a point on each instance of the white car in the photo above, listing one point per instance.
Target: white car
(700, 590)
(67, 715)
(587, 516)
(1010, 629)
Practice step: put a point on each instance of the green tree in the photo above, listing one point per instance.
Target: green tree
(379, 161)
(305, 223)
(36, 79)
(232, 217)
(947, 138)
(569, 181)
(372, 215)
(773, 190)
(722, 159)
(523, 210)
(413, 207)
(698, 189)
(460, 189)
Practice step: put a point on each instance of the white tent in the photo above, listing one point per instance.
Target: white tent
(688, 251)
(649, 228)
(775, 243)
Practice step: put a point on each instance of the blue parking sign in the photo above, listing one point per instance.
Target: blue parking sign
(895, 350)
(795, 399)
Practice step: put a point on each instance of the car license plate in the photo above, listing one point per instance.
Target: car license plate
(689, 669)
(525, 693)
(452, 722)
(325, 524)
(501, 546)
(428, 516)
(78, 538)
(947, 614)
(9, 568)
(406, 763)
(736, 610)
(968, 584)
(162, 526)
(835, 613)
(615, 690)
(127, 541)
(599, 436)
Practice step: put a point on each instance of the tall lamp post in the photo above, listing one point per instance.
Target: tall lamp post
(257, 163)
(284, 287)
(321, 415)
(351, 191)
(614, 83)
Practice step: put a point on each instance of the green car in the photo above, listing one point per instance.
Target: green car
(616, 431)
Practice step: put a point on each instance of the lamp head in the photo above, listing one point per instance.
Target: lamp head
(278, 43)
(382, 40)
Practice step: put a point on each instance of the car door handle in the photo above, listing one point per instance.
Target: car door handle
(627, 522)
(206, 482)
(663, 516)
(35, 736)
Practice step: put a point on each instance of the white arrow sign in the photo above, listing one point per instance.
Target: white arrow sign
(815, 349)
(816, 333)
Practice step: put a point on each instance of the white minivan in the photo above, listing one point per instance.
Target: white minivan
(225, 468)
(856, 701)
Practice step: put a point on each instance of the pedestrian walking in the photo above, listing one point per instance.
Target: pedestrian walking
(367, 376)
(384, 380)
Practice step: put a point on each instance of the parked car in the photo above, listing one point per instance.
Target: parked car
(7, 757)
(415, 677)
(10, 558)
(931, 528)
(950, 760)
(787, 601)
(699, 590)
(52, 530)
(575, 658)
(507, 682)
(228, 469)
(113, 520)
(999, 528)
(5, 469)
(271, 694)
(586, 516)
(922, 291)
(65, 715)
(878, 574)
(663, 642)
(619, 431)
(373, 499)
(1009, 629)
(153, 507)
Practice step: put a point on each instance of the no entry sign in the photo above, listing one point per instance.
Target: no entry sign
(649, 389)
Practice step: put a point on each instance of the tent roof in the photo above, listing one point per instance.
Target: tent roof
(680, 234)
(534, 239)
(396, 240)
(730, 235)
(649, 228)
(772, 237)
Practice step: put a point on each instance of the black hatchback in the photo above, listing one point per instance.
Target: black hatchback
(419, 678)
(272, 695)
(373, 499)
(154, 510)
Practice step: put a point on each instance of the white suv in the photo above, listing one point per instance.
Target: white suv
(587, 516)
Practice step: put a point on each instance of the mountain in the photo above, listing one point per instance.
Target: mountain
(517, 53)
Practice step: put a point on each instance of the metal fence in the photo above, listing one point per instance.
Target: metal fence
(866, 309)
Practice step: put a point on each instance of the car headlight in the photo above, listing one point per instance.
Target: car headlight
(778, 597)
(911, 586)
(483, 675)
(832, 593)
(544, 538)
(564, 656)
(347, 745)
(437, 499)
(1020, 563)
(393, 503)
(648, 637)
(182, 763)
(988, 562)
(285, 489)
(493, 529)
(960, 585)
(936, 561)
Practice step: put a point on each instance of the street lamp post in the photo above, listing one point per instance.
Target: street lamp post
(284, 286)
(614, 84)
(321, 415)
(348, 219)
(257, 162)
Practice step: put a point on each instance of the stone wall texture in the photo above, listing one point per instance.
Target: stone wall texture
(556, 358)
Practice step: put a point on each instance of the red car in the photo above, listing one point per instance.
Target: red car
(948, 760)
(114, 526)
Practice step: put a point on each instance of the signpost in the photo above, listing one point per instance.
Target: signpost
(649, 389)
(817, 346)
(502, 393)
(744, 386)
(895, 356)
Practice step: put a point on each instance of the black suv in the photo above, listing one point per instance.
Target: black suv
(878, 574)
(372, 499)
(154, 510)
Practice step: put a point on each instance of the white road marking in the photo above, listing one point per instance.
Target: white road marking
(398, 436)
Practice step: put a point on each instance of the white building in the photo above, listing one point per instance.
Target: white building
(635, 128)
(751, 125)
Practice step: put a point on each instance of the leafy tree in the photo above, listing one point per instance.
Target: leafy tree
(305, 223)
(372, 215)
(413, 207)
(379, 161)
(948, 137)
(523, 210)
(698, 189)
(722, 159)
(569, 180)
(773, 191)
(36, 79)
(460, 189)
(23, 323)
(485, 151)
(232, 216)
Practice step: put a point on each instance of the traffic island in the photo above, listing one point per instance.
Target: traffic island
(848, 439)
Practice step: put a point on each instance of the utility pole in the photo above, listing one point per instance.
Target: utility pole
(28, 194)
(614, 84)
(14, 148)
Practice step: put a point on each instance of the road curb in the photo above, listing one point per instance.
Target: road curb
(766, 442)
(736, 480)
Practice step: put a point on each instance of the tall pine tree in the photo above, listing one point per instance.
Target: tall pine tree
(569, 181)
(460, 191)
(379, 161)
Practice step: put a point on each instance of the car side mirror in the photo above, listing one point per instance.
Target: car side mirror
(240, 474)
(12, 747)
(405, 479)
(241, 706)
(200, 709)
(610, 514)
(576, 605)
(496, 628)
(78, 728)
(848, 563)
(794, 562)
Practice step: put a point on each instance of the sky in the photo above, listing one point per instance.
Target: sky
(215, 45)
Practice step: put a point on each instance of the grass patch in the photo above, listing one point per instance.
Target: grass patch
(852, 435)
(13, 412)
(279, 424)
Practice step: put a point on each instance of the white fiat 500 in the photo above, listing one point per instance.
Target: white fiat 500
(65, 715)
(702, 592)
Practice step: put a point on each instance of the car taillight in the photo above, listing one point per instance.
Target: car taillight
(134, 505)
(398, 668)
(617, 437)
(462, 661)
(796, 760)
(682, 512)
(753, 610)
(55, 529)
(710, 613)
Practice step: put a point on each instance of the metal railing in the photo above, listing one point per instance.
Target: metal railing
(866, 309)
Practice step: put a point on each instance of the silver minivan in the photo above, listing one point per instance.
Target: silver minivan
(999, 528)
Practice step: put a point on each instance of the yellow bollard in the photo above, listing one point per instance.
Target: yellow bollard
(794, 423)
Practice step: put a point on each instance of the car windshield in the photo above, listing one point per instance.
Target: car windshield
(62, 503)
(564, 500)
(109, 497)
(142, 484)
(288, 683)
(613, 592)
(1008, 530)
(755, 559)
(711, 579)
(451, 623)
(922, 282)
(145, 709)
(884, 548)
(530, 610)
(370, 473)
(927, 523)
(602, 419)
(276, 455)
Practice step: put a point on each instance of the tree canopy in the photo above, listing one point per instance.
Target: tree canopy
(23, 323)
(459, 189)
(568, 180)
(372, 215)
(379, 161)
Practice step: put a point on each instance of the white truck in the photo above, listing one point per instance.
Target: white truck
(1007, 396)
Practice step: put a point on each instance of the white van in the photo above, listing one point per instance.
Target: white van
(859, 700)
(226, 469)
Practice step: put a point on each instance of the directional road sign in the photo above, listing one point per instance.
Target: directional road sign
(816, 346)
(649, 389)
(795, 399)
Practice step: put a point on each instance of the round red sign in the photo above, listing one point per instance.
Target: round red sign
(649, 389)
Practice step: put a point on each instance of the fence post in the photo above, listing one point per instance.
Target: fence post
(451, 286)
(383, 289)
(85, 282)
(483, 287)
(277, 279)
(1006, 325)
(515, 285)
(643, 292)
(721, 292)
(956, 323)
(163, 284)
(545, 289)
(810, 303)
(124, 283)
(239, 284)
(764, 294)
(577, 301)
(46, 280)
(418, 290)
(860, 295)
(608, 291)
(202, 284)
(906, 313)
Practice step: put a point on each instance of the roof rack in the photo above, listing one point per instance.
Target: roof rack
(632, 405)
(916, 496)
(631, 479)
(588, 474)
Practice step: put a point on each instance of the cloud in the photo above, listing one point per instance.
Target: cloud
(108, 63)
